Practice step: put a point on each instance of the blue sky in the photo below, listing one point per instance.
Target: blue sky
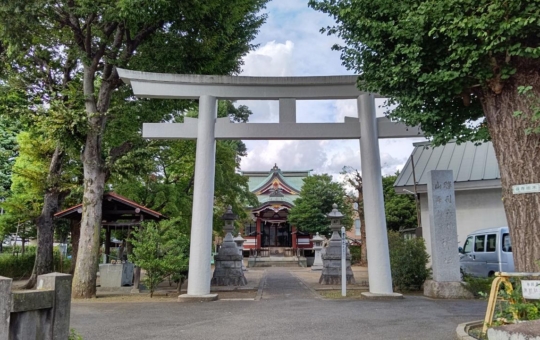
(290, 44)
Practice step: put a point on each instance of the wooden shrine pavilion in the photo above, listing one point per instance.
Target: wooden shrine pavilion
(118, 212)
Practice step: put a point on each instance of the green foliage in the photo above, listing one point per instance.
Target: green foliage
(161, 251)
(8, 153)
(408, 261)
(161, 175)
(356, 254)
(434, 58)
(478, 286)
(73, 335)
(20, 267)
(514, 307)
(400, 209)
(315, 201)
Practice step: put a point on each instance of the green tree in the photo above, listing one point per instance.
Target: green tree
(400, 210)
(8, 153)
(161, 251)
(461, 69)
(315, 201)
(72, 48)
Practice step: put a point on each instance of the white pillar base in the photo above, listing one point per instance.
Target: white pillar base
(197, 298)
(375, 296)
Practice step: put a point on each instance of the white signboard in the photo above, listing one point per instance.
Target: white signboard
(530, 289)
(525, 188)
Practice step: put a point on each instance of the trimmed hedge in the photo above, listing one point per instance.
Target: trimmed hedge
(27, 249)
(20, 267)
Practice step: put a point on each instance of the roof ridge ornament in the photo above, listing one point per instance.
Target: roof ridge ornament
(275, 168)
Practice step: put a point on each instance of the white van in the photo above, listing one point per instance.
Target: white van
(487, 251)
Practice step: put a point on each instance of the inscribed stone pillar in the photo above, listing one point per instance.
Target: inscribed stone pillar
(444, 242)
(5, 306)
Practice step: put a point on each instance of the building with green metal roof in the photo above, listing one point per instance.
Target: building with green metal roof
(276, 190)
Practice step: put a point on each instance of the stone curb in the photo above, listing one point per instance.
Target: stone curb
(462, 330)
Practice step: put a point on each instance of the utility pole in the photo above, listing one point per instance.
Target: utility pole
(416, 197)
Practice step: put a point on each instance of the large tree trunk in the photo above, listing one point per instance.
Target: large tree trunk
(43, 263)
(75, 236)
(518, 154)
(84, 278)
(363, 249)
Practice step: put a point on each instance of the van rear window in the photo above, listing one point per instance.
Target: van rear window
(491, 244)
(506, 243)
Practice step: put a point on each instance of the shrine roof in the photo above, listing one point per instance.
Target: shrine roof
(114, 207)
(258, 180)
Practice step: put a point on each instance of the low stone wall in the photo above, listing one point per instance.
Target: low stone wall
(41, 314)
(529, 330)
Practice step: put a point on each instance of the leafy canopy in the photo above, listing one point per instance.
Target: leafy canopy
(400, 210)
(435, 59)
(315, 201)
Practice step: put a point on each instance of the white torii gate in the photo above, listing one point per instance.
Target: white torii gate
(207, 128)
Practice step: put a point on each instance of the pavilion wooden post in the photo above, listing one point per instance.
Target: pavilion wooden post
(107, 244)
(258, 245)
(294, 240)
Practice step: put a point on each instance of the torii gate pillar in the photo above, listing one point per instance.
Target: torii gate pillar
(380, 276)
(203, 203)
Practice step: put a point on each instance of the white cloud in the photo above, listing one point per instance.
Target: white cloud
(272, 59)
(291, 45)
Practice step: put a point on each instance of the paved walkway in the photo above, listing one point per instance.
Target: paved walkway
(289, 308)
(282, 284)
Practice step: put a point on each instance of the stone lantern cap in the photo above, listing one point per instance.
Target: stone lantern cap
(229, 215)
(239, 238)
(335, 213)
(335, 217)
(317, 238)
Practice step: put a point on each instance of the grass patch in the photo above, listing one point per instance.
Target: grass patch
(336, 294)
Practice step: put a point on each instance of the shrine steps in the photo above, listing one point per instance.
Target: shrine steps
(277, 261)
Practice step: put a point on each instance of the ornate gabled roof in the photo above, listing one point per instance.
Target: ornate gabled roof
(277, 182)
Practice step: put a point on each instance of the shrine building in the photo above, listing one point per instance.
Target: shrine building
(269, 231)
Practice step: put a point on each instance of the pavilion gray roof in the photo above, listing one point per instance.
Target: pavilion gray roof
(474, 166)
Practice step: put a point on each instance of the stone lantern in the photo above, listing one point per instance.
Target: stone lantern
(239, 240)
(317, 247)
(228, 263)
(331, 274)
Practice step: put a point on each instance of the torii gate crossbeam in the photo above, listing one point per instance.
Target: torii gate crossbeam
(207, 128)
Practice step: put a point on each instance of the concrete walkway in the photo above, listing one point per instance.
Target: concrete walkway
(289, 308)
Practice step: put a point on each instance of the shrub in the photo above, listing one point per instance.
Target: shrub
(478, 286)
(356, 254)
(17, 267)
(161, 251)
(408, 262)
(20, 266)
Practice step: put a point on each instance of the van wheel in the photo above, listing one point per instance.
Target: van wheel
(491, 274)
